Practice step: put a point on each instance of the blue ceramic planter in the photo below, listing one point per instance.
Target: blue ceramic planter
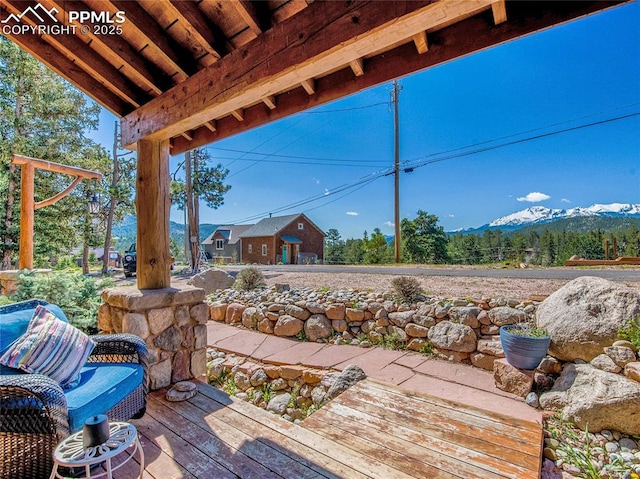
(523, 352)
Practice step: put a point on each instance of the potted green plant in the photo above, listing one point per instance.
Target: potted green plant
(524, 344)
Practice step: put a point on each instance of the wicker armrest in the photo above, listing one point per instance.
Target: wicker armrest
(32, 403)
(121, 348)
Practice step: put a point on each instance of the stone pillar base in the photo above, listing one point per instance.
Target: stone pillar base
(172, 321)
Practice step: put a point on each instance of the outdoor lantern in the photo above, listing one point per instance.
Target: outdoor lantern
(94, 205)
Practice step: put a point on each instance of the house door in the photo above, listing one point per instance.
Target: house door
(296, 252)
(284, 254)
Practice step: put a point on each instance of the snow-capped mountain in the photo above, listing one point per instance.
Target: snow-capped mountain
(542, 214)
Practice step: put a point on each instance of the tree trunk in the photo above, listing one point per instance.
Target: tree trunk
(9, 240)
(193, 251)
(112, 202)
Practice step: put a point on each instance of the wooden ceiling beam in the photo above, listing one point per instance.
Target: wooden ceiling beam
(329, 35)
(74, 48)
(59, 63)
(471, 35)
(248, 12)
(196, 24)
(132, 65)
(163, 46)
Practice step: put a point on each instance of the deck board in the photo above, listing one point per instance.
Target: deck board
(374, 430)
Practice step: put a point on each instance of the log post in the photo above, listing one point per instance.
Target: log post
(152, 207)
(27, 209)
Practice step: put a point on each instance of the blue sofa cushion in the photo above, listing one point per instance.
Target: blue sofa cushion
(15, 318)
(102, 386)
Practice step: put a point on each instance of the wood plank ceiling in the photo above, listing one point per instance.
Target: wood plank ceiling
(198, 71)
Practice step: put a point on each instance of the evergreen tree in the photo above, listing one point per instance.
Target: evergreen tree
(424, 240)
(41, 116)
(335, 247)
(375, 249)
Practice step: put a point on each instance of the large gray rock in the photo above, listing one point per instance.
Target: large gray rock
(211, 280)
(453, 336)
(584, 316)
(595, 399)
(347, 378)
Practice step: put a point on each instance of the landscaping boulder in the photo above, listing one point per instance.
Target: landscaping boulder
(502, 315)
(595, 399)
(347, 378)
(317, 327)
(453, 336)
(211, 280)
(585, 315)
(288, 326)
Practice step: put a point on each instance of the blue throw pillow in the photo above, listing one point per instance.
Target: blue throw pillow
(51, 347)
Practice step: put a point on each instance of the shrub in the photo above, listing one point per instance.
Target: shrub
(631, 331)
(407, 288)
(249, 279)
(77, 295)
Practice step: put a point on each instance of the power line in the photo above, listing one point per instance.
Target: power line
(336, 161)
(379, 174)
(522, 140)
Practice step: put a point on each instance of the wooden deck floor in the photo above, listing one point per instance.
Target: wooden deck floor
(372, 431)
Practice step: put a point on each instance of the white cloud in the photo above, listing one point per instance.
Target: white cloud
(534, 197)
(390, 224)
(326, 192)
(451, 215)
(316, 180)
(352, 213)
(565, 200)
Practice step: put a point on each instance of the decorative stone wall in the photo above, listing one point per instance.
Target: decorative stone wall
(171, 321)
(456, 329)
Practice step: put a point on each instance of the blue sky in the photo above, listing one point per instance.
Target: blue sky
(585, 72)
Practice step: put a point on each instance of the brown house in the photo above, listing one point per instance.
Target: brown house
(292, 239)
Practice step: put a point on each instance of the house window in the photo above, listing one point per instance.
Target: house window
(219, 244)
(300, 226)
(250, 247)
(264, 250)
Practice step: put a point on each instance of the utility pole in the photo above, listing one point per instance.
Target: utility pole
(396, 163)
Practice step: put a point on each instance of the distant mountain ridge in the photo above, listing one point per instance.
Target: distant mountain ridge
(538, 215)
(126, 232)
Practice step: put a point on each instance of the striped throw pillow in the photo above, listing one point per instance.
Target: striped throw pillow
(51, 347)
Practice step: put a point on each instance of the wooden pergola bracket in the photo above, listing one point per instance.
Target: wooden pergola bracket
(27, 200)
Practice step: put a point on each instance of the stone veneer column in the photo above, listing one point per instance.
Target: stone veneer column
(171, 321)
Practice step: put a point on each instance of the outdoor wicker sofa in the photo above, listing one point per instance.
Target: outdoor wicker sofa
(36, 413)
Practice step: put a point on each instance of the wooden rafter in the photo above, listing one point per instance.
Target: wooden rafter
(191, 19)
(309, 86)
(357, 66)
(270, 101)
(421, 43)
(249, 14)
(166, 51)
(74, 48)
(118, 52)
